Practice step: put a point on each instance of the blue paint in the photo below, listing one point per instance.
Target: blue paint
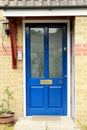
(55, 97)
(46, 99)
(37, 97)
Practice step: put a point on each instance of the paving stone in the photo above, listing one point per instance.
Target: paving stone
(29, 125)
(44, 123)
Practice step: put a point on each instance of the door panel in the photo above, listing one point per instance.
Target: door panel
(46, 67)
(37, 96)
(55, 91)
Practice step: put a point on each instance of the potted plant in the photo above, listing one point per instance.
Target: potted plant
(6, 115)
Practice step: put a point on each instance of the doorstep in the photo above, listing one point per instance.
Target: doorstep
(44, 123)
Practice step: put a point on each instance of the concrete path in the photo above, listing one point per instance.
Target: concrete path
(45, 123)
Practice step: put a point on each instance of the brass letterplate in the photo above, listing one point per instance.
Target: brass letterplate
(45, 81)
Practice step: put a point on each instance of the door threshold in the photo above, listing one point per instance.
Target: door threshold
(46, 118)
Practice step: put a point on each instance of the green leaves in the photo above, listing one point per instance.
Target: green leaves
(4, 100)
(85, 127)
(9, 93)
(4, 110)
(9, 96)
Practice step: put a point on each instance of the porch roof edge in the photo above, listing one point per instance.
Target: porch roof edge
(44, 7)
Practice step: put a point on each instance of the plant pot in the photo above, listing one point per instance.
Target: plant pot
(6, 118)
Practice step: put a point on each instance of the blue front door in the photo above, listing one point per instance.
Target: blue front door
(46, 69)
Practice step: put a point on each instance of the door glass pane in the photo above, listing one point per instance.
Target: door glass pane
(37, 52)
(55, 52)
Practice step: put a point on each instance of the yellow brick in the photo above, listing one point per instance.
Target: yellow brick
(80, 30)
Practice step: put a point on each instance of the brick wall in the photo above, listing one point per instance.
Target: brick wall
(14, 78)
(8, 76)
(81, 68)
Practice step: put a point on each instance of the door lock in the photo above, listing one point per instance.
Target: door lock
(65, 76)
(64, 48)
(60, 81)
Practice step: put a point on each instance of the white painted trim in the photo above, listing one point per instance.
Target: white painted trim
(68, 66)
(68, 60)
(24, 71)
(47, 12)
(73, 70)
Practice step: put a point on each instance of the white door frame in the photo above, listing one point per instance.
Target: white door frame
(68, 60)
